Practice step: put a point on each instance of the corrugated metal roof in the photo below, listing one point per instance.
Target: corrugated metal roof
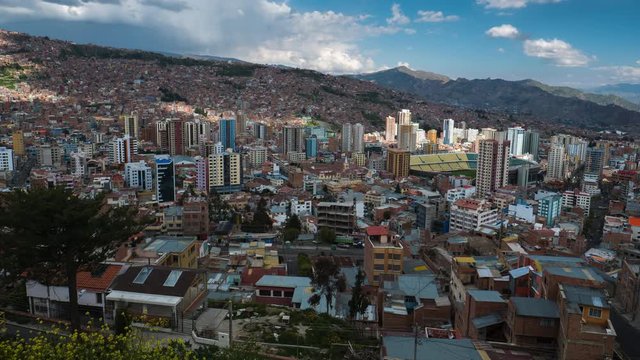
(535, 307)
(486, 295)
(487, 320)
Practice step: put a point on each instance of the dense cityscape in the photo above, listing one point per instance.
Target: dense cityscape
(256, 226)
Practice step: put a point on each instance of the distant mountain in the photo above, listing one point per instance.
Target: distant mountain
(630, 92)
(518, 98)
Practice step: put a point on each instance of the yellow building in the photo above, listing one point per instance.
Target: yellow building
(432, 136)
(398, 162)
(382, 256)
(18, 143)
(359, 158)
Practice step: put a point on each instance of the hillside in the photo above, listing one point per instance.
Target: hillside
(520, 98)
(87, 81)
(630, 92)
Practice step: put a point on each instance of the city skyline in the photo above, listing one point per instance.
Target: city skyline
(562, 42)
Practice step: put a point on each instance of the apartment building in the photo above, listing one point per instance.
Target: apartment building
(382, 256)
(470, 214)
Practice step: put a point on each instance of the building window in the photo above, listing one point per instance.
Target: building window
(379, 267)
(288, 294)
(595, 313)
(264, 292)
(547, 322)
(277, 293)
(378, 256)
(397, 256)
(99, 298)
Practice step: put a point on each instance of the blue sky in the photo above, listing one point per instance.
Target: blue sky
(580, 43)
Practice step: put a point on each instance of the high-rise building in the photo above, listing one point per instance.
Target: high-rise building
(493, 166)
(398, 162)
(595, 161)
(549, 207)
(488, 133)
(162, 135)
(516, 138)
(165, 179)
(404, 117)
(131, 126)
(138, 175)
(447, 131)
(407, 137)
(224, 172)
(382, 256)
(78, 163)
(228, 133)
(347, 137)
(241, 122)
(432, 136)
(358, 138)
(122, 150)
(391, 129)
(6, 159)
(311, 147)
(577, 198)
(292, 139)
(470, 214)
(48, 155)
(531, 143)
(257, 155)
(176, 138)
(555, 163)
(18, 143)
(191, 134)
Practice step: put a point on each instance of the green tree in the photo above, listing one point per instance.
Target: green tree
(293, 222)
(219, 210)
(359, 301)
(290, 234)
(327, 235)
(304, 265)
(54, 232)
(325, 281)
(261, 220)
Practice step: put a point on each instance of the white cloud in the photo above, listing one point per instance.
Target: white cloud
(397, 16)
(621, 73)
(435, 16)
(404, 63)
(409, 31)
(512, 4)
(638, 62)
(557, 51)
(263, 31)
(501, 50)
(503, 31)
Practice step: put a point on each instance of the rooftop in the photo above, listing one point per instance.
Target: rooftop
(284, 281)
(168, 244)
(578, 296)
(399, 347)
(485, 295)
(535, 307)
(377, 230)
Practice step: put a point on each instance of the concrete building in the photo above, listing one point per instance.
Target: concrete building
(390, 129)
(138, 175)
(404, 117)
(18, 143)
(358, 138)
(131, 125)
(432, 136)
(341, 217)
(516, 137)
(463, 192)
(382, 256)
(577, 198)
(493, 166)
(549, 207)
(222, 172)
(398, 162)
(595, 161)
(292, 139)
(122, 150)
(6, 159)
(556, 163)
(470, 214)
(175, 136)
(347, 137)
(311, 147)
(195, 217)
(257, 155)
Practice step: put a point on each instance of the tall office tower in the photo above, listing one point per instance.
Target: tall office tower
(556, 162)
(463, 125)
(311, 147)
(407, 137)
(595, 161)
(447, 131)
(165, 179)
(204, 131)
(241, 122)
(191, 136)
(224, 172)
(391, 129)
(162, 135)
(6, 159)
(175, 130)
(531, 143)
(259, 130)
(49, 155)
(493, 166)
(131, 126)
(78, 163)
(347, 137)
(122, 150)
(605, 146)
(404, 117)
(138, 175)
(398, 163)
(488, 133)
(358, 138)
(18, 143)
(516, 138)
(292, 139)
(228, 133)
(432, 136)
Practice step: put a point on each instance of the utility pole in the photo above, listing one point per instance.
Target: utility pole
(230, 322)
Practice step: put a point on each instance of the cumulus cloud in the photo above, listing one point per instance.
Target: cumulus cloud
(397, 16)
(262, 31)
(512, 4)
(621, 73)
(435, 16)
(556, 51)
(503, 31)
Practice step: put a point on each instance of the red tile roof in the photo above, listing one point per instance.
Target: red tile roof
(85, 280)
(377, 230)
(634, 221)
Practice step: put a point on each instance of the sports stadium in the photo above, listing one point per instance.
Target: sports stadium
(453, 163)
